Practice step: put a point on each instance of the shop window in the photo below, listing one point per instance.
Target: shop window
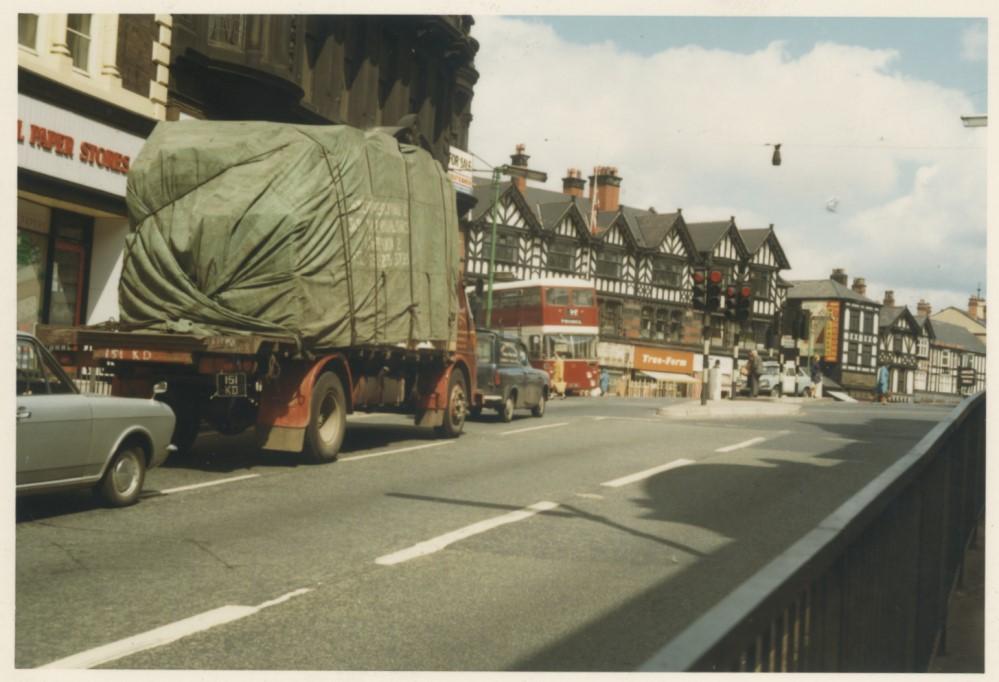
(78, 39)
(226, 30)
(66, 295)
(560, 255)
(27, 30)
(32, 255)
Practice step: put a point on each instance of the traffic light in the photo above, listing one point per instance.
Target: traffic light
(744, 307)
(730, 301)
(700, 298)
(714, 291)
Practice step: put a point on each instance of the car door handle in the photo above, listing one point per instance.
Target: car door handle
(23, 413)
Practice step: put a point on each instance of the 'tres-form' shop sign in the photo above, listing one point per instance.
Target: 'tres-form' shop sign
(64, 145)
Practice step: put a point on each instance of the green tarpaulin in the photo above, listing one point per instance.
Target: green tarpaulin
(339, 236)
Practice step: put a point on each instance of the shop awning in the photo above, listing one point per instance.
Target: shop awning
(671, 376)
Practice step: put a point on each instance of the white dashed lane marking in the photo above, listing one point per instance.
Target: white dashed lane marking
(441, 541)
(207, 484)
(632, 478)
(532, 428)
(165, 634)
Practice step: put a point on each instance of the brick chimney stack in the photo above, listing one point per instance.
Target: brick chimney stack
(607, 185)
(976, 307)
(923, 308)
(839, 275)
(889, 298)
(573, 183)
(519, 160)
(860, 285)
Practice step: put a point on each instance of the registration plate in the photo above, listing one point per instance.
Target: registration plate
(230, 385)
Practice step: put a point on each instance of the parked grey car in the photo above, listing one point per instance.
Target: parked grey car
(66, 439)
(505, 378)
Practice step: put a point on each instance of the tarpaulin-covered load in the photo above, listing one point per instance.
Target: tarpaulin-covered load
(339, 236)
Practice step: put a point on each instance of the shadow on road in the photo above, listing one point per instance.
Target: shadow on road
(629, 635)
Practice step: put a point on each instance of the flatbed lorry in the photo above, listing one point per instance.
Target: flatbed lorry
(393, 335)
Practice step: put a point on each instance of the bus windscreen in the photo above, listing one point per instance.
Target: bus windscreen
(571, 346)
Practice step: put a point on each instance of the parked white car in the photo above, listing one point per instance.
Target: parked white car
(66, 439)
(794, 381)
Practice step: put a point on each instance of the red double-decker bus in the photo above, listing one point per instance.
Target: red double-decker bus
(553, 316)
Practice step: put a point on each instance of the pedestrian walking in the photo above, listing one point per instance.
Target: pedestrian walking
(881, 388)
(816, 377)
(753, 371)
(604, 382)
(558, 375)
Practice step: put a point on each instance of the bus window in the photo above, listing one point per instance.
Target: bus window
(582, 297)
(557, 296)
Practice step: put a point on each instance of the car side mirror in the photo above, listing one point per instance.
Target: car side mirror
(159, 388)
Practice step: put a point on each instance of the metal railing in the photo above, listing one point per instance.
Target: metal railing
(867, 590)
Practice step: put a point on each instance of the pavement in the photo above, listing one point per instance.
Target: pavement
(965, 650)
(740, 407)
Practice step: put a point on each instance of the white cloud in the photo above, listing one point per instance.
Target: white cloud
(974, 43)
(688, 127)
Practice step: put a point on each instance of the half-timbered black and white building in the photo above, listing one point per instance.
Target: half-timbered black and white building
(953, 351)
(641, 260)
(842, 331)
(900, 334)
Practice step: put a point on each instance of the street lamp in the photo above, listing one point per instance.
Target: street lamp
(519, 172)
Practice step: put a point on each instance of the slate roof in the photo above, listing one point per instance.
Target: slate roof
(654, 226)
(953, 335)
(888, 315)
(706, 235)
(963, 312)
(809, 289)
(754, 238)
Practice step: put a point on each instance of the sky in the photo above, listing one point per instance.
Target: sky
(878, 175)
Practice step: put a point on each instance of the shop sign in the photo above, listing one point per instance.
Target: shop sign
(831, 338)
(614, 354)
(663, 360)
(70, 147)
(459, 170)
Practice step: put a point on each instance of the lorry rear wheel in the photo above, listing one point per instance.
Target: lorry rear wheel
(457, 406)
(327, 420)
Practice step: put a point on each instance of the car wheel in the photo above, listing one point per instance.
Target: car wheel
(539, 409)
(327, 420)
(457, 406)
(123, 479)
(506, 411)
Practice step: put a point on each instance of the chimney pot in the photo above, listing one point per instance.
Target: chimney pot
(839, 275)
(923, 308)
(889, 297)
(860, 285)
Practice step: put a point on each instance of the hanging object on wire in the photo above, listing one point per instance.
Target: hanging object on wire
(776, 157)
